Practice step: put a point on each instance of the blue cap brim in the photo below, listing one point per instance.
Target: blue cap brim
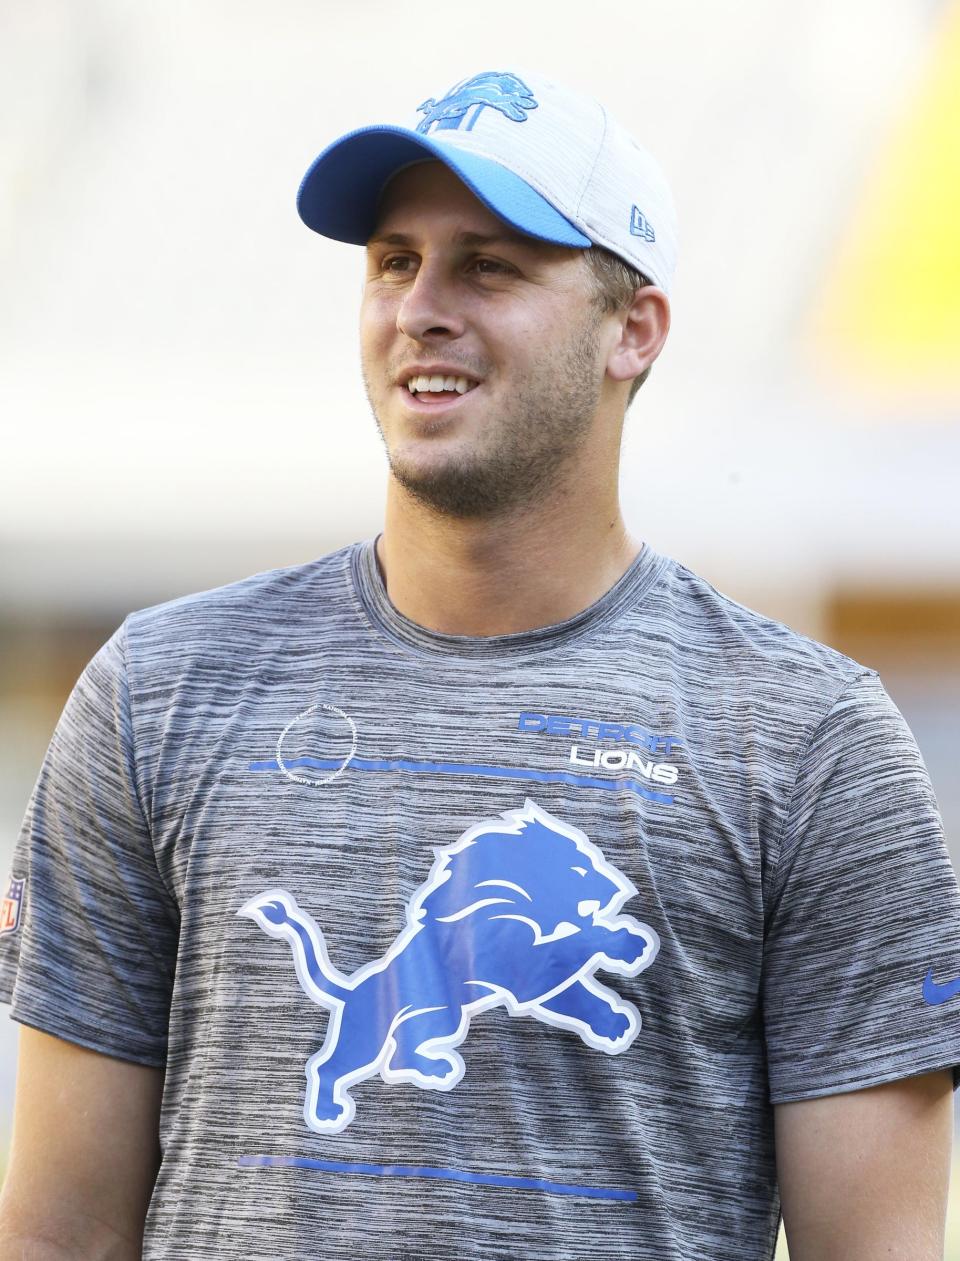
(340, 194)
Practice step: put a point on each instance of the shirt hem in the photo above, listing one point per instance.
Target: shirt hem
(87, 1042)
(845, 1084)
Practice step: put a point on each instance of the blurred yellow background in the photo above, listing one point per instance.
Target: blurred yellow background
(180, 397)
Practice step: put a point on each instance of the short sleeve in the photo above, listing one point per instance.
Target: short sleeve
(861, 978)
(89, 936)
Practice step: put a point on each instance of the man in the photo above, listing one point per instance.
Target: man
(498, 889)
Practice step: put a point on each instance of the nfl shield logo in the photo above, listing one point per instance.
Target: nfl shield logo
(10, 907)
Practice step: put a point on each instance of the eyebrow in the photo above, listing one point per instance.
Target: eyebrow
(472, 240)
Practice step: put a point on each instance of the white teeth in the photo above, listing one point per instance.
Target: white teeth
(437, 384)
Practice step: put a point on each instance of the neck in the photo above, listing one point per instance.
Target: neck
(533, 566)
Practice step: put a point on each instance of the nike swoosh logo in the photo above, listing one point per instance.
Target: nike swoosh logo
(935, 994)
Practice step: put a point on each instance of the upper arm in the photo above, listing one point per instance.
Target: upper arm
(863, 905)
(865, 1174)
(85, 1151)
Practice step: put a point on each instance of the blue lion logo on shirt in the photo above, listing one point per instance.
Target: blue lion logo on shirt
(520, 912)
(503, 92)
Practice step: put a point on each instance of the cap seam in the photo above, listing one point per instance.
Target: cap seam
(596, 159)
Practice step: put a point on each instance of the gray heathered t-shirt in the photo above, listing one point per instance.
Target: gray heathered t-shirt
(480, 948)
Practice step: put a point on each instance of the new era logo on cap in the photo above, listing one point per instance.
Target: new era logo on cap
(639, 225)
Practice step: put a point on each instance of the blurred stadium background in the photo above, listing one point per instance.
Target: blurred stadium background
(180, 398)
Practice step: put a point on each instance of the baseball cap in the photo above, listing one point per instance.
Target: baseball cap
(550, 162)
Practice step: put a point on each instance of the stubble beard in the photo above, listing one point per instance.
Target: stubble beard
(542, 427)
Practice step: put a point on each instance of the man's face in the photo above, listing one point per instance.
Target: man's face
(509, 322)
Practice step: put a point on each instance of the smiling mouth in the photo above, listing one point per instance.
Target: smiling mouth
(440, 386)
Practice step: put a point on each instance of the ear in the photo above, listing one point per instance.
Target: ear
(644, 325)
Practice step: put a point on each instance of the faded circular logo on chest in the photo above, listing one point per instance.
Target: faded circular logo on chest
(317, 746)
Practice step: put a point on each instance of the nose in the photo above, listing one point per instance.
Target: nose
(430, 308)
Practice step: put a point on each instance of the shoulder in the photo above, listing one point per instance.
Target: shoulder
(201, 648)
(720, 627)
(746, 660)
(278, 602)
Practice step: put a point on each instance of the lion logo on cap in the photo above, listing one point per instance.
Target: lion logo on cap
(503, 92)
